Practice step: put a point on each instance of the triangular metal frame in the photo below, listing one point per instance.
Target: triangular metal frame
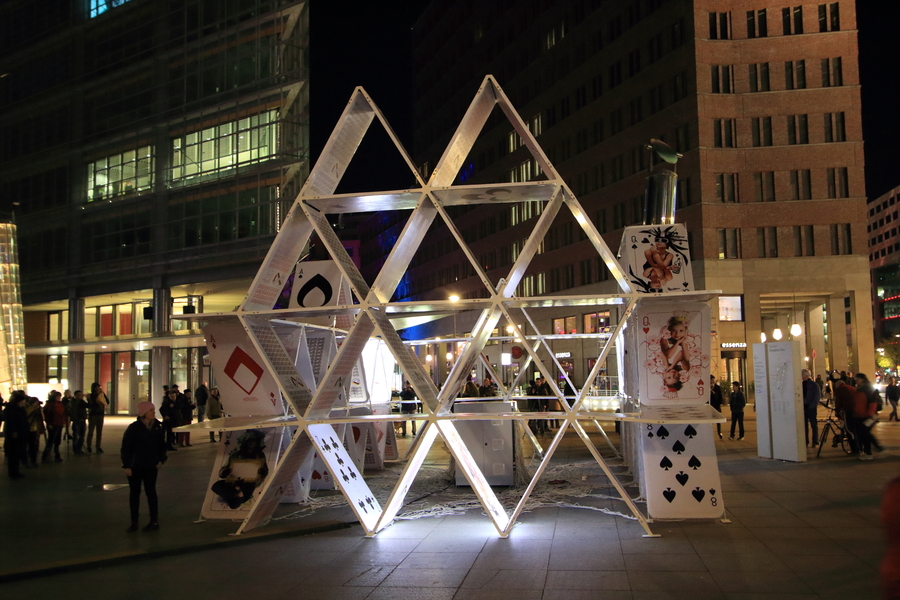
(372, 310)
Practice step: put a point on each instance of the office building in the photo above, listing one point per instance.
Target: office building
(149, 151)
(762, 100)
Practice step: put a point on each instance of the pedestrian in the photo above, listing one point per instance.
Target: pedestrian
(15, 431)
(865, 405)
(844, 395)
(143, 453)
(737, 403)
(201, 395)
(35, 430)
(408, 405)
(811, 397)
(716, 400)
(56, 421)
(170, 416)
(79, 408)
(97, 403)
(892, 394)
(67, 402)
(214, 410)
(184, 403)
(470, 390)
(487, 388)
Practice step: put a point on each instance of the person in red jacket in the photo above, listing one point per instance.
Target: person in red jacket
(56, 421)
(865, 405)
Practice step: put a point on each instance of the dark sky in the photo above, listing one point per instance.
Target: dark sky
(362, 44)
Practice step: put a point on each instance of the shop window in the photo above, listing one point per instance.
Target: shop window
(598, 322)
(731, 308)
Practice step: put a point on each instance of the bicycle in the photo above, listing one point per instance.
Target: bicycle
(838, 430)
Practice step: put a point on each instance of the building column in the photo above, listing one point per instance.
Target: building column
(837, 333)
(75, 360)
(815, 333)
(160, 367)
(862, 335)
(753, 327)
(162, 309)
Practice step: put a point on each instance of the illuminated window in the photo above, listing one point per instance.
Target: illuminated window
(225, 146)
(98, 7)
(731, 308)
(597, 322)
(121, 174)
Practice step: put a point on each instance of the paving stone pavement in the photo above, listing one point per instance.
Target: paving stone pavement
(798, 531)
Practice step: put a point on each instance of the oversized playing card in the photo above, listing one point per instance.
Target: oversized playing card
(244, 461)
(656, 258)
(673, 343)
(681, 473)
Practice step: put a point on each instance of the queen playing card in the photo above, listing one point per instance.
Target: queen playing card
(673, 353)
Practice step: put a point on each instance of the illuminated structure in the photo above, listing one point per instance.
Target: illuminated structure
(12, 338)
(375, 313)
(761, 98)
(884, 258)
(148, 146)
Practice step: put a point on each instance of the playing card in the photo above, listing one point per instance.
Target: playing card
(681, 473)
(243, 463)
(673, 353)
(656, 258)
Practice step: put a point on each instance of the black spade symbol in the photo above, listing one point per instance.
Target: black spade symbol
(645, 241)
(665, 463)
(669, 494)
(678, 447)
(684, 283)
(690, 431)
(698, 494)
(315, 282)
(712, 492)
(633, 246)
(694, 463)
(650, 435)
(662, 432)
(682, 477)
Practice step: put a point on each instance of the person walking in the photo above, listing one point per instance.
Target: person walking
(79, 408)
(56, 421)
(170, 416)
(214, 410)
(15, 431)
(408, 405)
(35, 430)
(97, 403)
(716, 400)
(865, 405)
(892, 395)
(185, 406)
(811, 397)
(737, 403)
(143, 453)
(201, 395)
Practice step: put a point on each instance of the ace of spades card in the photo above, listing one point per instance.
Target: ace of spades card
(673, 343)
(681, 472)
(656, 258)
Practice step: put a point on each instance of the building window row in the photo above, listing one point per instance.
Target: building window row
(728, 187)
(196, 155)
(834, 129)
(720, 26)
(800, 240)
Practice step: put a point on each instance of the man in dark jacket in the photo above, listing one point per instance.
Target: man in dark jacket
(201, 395)
(143, 452)
(811, 397)
(171, 416)
(15, 429)
(79, 408)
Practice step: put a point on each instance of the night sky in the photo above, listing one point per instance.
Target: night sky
(369, 47)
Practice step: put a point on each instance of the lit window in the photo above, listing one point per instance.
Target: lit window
(98, 7)
(731, 308)
(120, 174)
(225, 146)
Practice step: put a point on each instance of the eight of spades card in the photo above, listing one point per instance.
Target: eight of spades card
(656, 258)
(681, 472)
(673, 353)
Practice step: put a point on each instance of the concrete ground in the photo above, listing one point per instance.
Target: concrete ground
(797, 531)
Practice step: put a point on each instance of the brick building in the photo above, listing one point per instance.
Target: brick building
(762, 100)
